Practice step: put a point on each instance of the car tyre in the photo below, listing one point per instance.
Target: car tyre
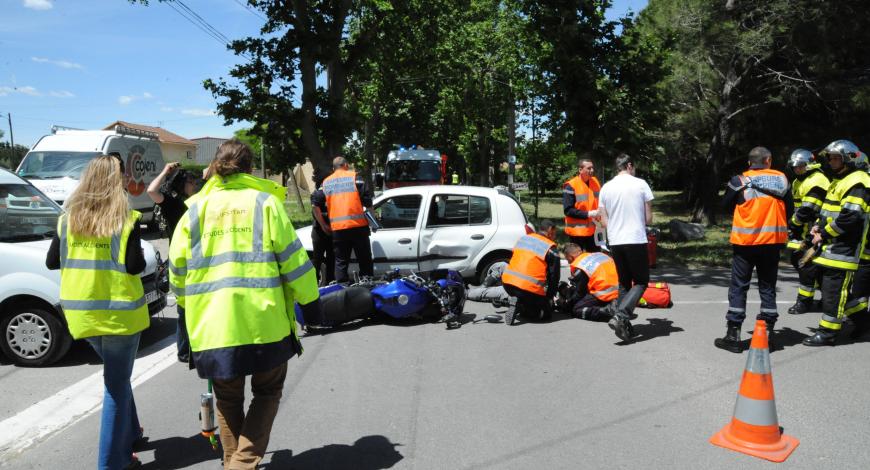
(489, 262)
(42, 327)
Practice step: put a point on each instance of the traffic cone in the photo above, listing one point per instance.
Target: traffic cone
(754, 428)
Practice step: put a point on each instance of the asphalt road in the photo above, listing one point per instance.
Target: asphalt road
(565, 394)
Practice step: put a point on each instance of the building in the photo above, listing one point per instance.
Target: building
(206, 148)
(174, 147)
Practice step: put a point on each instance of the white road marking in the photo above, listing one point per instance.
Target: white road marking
(76, 402)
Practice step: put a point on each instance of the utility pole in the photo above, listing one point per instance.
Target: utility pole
(11, 136)
(512, 136)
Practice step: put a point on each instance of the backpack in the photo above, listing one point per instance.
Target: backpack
(657, 295)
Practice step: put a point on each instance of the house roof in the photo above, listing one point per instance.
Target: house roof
(162, 134)
(210, 137)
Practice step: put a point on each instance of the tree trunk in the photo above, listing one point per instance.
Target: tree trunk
(368, 147)
(483, 156)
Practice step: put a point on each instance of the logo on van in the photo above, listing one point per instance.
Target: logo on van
(137, 169)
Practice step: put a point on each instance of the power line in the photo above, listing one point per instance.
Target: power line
(253, 12)
(203, 25)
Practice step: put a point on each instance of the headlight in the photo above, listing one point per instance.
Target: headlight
(403, 299)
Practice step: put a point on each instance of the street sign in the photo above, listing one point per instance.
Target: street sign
(512, 159)
(520, 186)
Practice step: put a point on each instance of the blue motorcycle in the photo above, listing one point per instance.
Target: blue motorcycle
(393, 297)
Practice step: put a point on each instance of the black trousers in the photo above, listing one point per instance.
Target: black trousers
(595, 308)
(764, 259)
(362, 249)
(632, 264)
(587, 243)
(530, 305)
(836, 287)
(324, 257)
(809, 277)
(860, 292)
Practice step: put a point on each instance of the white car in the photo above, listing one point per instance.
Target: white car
(465, 228)
(32, 325)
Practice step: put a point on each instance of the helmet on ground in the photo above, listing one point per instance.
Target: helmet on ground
(849, 151)
(800, 157)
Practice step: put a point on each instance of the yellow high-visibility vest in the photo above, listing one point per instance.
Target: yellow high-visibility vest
(97, 295)
(237, 266)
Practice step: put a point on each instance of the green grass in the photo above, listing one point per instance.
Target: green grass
(298, 215)
(713, 250)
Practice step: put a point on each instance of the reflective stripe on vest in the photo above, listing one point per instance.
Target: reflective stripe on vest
(835, 252)
(343, 202)
(97, 295)
(601, 271)
(760, 219)
(527, 269)
(241, 272)
(585, 199)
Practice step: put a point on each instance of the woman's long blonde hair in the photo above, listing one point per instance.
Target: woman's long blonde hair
(99, 205)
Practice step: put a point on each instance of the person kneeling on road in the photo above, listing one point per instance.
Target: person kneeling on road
(594, 285)
(532, 276)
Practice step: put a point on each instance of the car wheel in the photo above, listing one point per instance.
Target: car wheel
(33, 336)
(490, 261)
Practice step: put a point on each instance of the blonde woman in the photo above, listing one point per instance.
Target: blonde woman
(98, 251)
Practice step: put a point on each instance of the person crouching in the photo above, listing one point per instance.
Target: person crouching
(594, 284)
(532, 276)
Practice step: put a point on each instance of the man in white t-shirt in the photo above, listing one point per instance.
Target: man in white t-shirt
(625, 209)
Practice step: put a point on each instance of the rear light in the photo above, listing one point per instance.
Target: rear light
(529, 229)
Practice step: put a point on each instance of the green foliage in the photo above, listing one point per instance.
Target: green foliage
(9, 157)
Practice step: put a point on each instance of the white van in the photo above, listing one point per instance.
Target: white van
(55, 163)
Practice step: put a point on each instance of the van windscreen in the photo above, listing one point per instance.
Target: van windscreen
(54, 164)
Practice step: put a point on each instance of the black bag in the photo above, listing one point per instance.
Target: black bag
(345, 305)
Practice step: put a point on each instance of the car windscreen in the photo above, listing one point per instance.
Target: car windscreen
(54, 164)
(26, 214)
(413, 170)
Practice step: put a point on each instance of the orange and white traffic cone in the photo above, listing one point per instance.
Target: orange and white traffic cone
(754, 428)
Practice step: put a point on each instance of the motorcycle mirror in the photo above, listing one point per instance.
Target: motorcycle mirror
(494, 318)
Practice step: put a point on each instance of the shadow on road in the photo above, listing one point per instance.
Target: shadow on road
(179, 452)
(367, 453)
(785, 338)
(710, 277)
(656, 327)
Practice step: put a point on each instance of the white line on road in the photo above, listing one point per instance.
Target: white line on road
(76, 402)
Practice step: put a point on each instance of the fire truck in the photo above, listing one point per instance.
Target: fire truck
(414, 167)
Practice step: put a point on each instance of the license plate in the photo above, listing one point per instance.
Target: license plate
(151, 296)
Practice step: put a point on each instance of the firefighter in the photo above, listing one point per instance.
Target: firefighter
(841, 233)
(762, 205)
(347, 198)
(238, 267)
(580, 205)
(531, 279)
(595, 284)
(808, 191)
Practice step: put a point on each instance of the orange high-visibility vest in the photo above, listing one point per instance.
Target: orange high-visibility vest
(601, 271)
(585, 199)
(760, 220)
(343, 202)
(528, 267)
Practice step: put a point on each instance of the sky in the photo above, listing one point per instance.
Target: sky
(88, 63)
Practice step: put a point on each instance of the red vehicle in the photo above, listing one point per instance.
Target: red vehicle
(414, 167)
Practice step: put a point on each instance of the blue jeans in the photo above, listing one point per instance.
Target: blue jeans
(119, 424)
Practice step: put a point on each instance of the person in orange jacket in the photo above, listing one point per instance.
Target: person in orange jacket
(347, 198)
(580, 206)
(531, 279)
(762, 204)
(594, 285)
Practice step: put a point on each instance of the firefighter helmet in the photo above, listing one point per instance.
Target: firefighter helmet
(800, 157)
(849, 151)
